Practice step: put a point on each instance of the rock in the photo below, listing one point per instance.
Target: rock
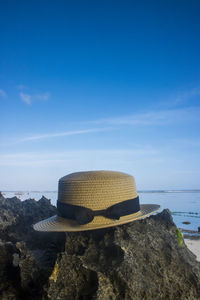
(199, 229)
(1, 195)
(9, 275)
(145, 259)
(139, 260)
(27, 257)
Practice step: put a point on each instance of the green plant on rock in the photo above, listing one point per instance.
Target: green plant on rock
(179, 236)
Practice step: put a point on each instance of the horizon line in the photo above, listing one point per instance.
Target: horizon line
(139, 191)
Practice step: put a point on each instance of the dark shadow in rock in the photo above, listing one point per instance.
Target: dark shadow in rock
(90, 287)
(113, 256)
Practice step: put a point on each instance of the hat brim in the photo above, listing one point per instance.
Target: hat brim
(58, 224)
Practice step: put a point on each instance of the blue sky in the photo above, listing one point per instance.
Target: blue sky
(88, 85)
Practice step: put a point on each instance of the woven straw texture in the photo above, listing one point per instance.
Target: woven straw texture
(95, 190)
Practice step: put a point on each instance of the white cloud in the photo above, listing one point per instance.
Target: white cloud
(65, 133)
(25, 98)
(153, 167)
(181, 97)
(3, 93)
(186, 142)
(21, 87)
(161, 117)
(43, 96)
(28, 98)
(16, 140)
(187, 95)
(78, 157)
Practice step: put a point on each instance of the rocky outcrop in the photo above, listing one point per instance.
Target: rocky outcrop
(27, 257)
(146, 259)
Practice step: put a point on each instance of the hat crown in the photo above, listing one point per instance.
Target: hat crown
(96, 189)
(94, 175)
(96, 199)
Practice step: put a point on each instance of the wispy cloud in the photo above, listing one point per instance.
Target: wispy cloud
(29, 98)
(187, 95)
(21, 87)
(65, 133)
(75, 157)
(153, 118)
(3, 94)
(43, 96)
(183, 97)
(186, 142)
(25, 98)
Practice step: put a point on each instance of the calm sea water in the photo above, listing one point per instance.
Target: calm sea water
(184, 205)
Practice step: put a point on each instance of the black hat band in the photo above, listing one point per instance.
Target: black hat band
(84, 215)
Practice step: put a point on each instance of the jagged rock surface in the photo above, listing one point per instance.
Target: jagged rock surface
(141, 260)
(27, 257)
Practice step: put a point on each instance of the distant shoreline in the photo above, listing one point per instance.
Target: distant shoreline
(139, 191)
(169, 191)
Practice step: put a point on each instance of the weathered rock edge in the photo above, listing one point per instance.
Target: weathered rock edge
(27, 257)
(145, 259)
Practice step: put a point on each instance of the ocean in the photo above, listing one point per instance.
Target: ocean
(184, 205)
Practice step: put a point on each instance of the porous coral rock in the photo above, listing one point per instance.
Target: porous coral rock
(27, 257)
(139, 260)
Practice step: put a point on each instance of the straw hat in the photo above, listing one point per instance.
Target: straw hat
(96, 199)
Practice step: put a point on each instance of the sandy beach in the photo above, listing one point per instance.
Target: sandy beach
(194, 246)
